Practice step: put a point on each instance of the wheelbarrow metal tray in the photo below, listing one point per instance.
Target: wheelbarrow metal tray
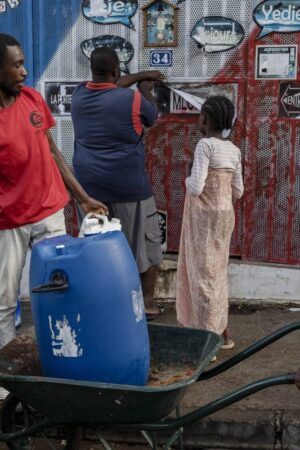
(178, 356)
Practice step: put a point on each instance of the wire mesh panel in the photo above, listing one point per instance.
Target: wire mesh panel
(16, 20)
(268, 217)
(271, 200)
(59, 28)
(171, 143)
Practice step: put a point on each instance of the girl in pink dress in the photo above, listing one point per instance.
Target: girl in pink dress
(208, 222)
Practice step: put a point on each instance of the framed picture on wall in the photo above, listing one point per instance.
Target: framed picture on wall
(160, 24)
(276, 62)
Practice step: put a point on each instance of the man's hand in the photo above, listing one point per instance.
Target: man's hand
(90, 205)
(145, 85)
(153, 75)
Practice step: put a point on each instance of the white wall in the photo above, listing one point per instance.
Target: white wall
(250, 283)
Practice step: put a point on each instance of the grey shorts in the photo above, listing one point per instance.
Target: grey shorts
(139, 222)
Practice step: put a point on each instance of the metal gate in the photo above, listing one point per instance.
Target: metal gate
(268, 217)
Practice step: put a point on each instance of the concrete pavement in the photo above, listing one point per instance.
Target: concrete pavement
(267, 420)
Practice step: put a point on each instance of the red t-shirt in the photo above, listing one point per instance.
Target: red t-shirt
(31, 187)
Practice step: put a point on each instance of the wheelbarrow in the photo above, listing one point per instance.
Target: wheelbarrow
(179, 356)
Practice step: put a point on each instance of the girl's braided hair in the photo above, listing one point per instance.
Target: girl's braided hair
(5, 41)
(220, 111)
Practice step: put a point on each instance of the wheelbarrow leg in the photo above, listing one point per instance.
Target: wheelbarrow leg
(177, 436)
(180, 438)
(151, 438)
(74, 438)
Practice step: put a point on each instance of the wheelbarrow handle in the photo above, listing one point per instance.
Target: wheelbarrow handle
(249, 351)
(216, 405)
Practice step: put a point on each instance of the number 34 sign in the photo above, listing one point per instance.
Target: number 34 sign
(161, 58)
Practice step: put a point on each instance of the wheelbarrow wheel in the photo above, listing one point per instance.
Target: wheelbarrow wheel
(15, 416)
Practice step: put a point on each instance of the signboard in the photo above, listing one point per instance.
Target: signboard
(58, 96)
(110, 11)
(123, 48)
(179, 105)
(200, 91)
(274, 16)
(217, 34)
(162, 220)
(289, 100)
(4, 4)
(275, 62)
(161, 58)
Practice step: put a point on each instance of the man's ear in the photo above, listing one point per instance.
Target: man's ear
(117, 73)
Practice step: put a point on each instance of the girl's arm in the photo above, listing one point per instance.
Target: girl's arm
(237, 182)
(195, 183)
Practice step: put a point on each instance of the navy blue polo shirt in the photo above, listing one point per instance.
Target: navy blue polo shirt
(109, 156)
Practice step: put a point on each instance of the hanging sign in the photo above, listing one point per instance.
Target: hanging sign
(161, 58)
(123, 48)
(58, 96)
(275, 62)
(217, 34)
(289, 105)
(110, 11)
(182, 102)
(189, 98)
(12, 4)
(274, 16)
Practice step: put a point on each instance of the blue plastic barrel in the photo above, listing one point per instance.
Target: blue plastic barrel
(88, 309)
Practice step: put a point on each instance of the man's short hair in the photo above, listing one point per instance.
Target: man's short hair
(104, 61)
(5, 41)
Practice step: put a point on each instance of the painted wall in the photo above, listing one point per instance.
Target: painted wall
(268, 217)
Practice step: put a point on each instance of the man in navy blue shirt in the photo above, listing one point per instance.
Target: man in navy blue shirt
(109, 156)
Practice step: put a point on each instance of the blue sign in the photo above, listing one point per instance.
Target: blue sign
(161, 58)
(277, 17)
(110, 11)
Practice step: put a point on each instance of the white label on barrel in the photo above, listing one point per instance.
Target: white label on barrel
(64, 340)
(138, 304)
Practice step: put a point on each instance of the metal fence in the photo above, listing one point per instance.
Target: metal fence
(268, 217)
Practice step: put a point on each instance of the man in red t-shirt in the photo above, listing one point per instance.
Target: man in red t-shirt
(33, 176)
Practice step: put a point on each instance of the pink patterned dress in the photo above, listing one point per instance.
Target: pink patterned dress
(208, 222)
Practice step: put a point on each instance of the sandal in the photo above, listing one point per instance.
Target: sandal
(155, 315)
(228, 345)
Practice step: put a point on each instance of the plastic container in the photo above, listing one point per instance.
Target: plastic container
(18, 313)
(88, 309)
(96, 223)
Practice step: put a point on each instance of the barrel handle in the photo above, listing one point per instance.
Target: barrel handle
(58, 282)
